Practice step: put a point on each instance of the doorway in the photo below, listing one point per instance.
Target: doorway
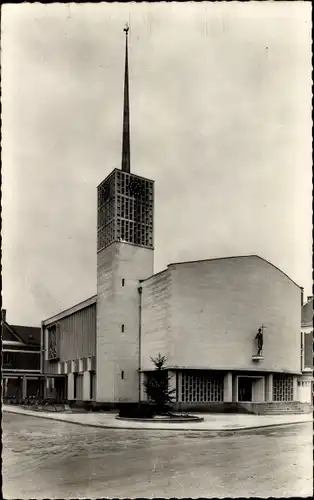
(244, 389)
(60, 388)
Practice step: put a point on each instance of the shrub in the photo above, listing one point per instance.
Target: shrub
(157, 387)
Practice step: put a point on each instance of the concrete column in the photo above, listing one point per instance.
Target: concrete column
(300, 395)
(24, 387)
(143, 392)
(235, 389)
(86, 386)
(304, 389)
(179, 387)
(3, 388)
(227, 395)
(5, 383)
(269, 387)
(295, 388)
(81, 369)
(173, 384)
(45, 333)
(70, 386)
(308, 398)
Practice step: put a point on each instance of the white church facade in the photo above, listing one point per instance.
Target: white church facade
(230, 328)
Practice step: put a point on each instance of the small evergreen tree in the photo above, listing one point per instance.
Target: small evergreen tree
(157, 387)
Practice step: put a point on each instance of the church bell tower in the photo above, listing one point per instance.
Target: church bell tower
(125, 255)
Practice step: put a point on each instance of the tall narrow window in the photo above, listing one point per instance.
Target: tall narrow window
(122, 374)
(92, 385)
(52, 342)
(74, 385)
(123, 281)
(122, 328)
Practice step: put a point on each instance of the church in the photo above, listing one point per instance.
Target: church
(230, 328)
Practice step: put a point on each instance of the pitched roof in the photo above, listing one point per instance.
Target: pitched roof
(8, 334)
(29, 335)
(307, 314)
(71, 310)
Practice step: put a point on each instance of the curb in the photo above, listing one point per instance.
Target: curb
(174, 420)
(102, 426)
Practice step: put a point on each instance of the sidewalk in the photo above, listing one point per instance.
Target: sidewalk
(212, 421)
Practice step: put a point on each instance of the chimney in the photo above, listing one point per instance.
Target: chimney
(3, 314)
(302, 295)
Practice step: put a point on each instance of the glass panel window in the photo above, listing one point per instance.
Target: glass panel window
(201, 387)
(52, 342)
(283, 388)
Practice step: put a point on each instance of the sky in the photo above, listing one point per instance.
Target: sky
(220, 97)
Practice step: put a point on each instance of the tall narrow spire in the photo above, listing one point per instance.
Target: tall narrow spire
(126, 160)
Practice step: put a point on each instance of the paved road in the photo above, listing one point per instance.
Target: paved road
(47, 459)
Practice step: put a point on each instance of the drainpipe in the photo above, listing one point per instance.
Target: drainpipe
(42, 361)
(139, 342)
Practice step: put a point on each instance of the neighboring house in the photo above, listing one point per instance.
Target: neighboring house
(305, 383)
(20, 360)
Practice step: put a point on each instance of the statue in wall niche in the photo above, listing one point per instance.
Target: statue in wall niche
(259, 338)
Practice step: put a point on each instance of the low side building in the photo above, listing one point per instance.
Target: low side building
(20, 360)
(68, 352)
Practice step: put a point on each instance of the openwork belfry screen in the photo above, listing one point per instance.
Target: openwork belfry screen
(201, 388)
(125, 210)
(283, 388)
(52, 343)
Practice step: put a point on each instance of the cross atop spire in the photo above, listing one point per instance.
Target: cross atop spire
(126, 154)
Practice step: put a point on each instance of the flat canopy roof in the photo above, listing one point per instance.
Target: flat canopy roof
(71, 310)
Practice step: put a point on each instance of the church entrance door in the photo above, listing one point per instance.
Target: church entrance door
(245, 389)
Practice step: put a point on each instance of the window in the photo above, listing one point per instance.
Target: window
(7, 358)
(122, 375)
(52, 342)
(122, 328)
(283, 388)
(123, 281)
(308, 350)
(201, 387)
(74, 385)
(92, 375)
(21, 360)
